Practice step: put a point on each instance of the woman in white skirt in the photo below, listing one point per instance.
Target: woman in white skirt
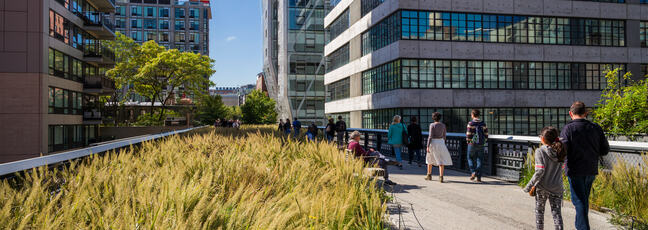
(437, 152)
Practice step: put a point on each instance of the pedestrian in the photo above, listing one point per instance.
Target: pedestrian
(296, 127)
(370, 157)
(546, 183)
(437, 152)
(416, 141)
(476, 136)
(281, 125)
(330, 130)
(312, 131)
(217, 123)
(397, 137)
(586, 144)
(287, 127)
(340, 129)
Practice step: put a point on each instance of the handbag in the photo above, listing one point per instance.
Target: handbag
(532, 192)
(404, 136)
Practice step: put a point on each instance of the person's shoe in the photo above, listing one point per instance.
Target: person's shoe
(472, 176)
(479, 180)
(441, 179)
(400, 166)
(389, 182)
(428, 177)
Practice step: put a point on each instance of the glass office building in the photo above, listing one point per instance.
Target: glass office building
(294, 64)
(521, 63)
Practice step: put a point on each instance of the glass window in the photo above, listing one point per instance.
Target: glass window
(179, 12)
(179, 25)
(136, 11)
(194, 37)
(136, 23)
(179, 37)
(150, 35)
(164, 12)
(137, 36)
(150, 23)
(195, 25)
(150, 11)
(194, 13)
(163, 37)
(164, 24)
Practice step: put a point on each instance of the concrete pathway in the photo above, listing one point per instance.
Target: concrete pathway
(462, 204)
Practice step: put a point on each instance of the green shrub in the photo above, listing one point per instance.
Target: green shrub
(623, 109)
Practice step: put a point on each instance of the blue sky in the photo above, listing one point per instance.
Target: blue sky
(235, 41)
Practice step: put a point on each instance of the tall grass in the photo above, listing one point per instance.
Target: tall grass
(624, 190)
(215, 179)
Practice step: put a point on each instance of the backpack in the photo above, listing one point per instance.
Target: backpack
(342, 126)
(478, 137)
(328, 128)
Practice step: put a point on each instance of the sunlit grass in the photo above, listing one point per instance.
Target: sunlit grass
(212, 179)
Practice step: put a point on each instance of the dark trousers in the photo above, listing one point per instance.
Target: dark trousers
(382, 163)
(580, 187)
(414, 155)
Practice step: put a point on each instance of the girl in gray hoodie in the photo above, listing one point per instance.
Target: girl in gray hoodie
(547, 179)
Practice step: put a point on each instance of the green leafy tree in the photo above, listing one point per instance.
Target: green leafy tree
(124, 49)
(211, 108)
(155, 72)
(234, 112)
(623, 110)
(258, 109)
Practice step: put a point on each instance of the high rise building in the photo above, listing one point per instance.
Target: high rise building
(52, 67)
(294, 64)
(174, 24)
(521, 62)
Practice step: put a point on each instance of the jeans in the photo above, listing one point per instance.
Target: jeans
(296, 133)
(329, 137)
(340, 139)
(475, 158)
(397, 151)
(415, 153)
(580, 187)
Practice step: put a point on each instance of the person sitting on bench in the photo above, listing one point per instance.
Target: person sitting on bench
(370, 157)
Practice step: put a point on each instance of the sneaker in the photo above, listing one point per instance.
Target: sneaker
(479, 180)
(428, 177)
(472, 176)
(389, 182)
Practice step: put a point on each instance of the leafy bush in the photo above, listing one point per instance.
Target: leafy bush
(211, 108)
(215, 179)
(149, 119)
(623, 109)
(259, 109)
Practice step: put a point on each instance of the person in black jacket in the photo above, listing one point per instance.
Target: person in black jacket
(341, 128)
(415, 141)
(330, 130)
(586, 144)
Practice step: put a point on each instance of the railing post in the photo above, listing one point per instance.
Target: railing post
(463, 159)
(366, 140)
(492, 153)
(378, 141)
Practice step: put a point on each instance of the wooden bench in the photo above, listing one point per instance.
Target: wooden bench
(367, 171)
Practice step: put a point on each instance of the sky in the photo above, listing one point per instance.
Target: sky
(235, 41)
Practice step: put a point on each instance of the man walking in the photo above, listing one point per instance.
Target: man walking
(340, 128)
(585, 143)
(476, 136)
(297, 127)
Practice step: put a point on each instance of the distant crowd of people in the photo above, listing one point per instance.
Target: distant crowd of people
(236, 123)
(332, 129)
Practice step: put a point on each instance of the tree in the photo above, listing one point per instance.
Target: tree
(211, 108)
(155, 72)
(623, 109)
(258, 109)
(124, 49)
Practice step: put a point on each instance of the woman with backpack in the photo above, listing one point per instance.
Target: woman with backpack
(546, 183)
(330, 130)
(397, 137)
(437, 152)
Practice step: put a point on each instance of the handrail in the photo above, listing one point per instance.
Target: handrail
(19, 166)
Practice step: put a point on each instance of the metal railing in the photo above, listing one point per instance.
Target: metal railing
(91, 18)
(100, 52)
(9, 168)
(98, 82)
(504, 155)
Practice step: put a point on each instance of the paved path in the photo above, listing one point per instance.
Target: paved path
(462, 204)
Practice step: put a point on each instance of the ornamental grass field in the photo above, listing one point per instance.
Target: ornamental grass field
(211, 179)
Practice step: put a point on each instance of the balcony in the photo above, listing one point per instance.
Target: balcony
(99, 56)
(98, 85)
(104, 5)
(91, 116)
(97, 24)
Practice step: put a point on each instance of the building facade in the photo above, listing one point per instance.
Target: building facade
(522, 62)
(51, 74)
(294, 64)
(174, 24)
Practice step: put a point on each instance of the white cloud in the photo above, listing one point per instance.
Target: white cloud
(230, 38)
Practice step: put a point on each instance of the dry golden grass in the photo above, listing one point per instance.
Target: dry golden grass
(212, 179)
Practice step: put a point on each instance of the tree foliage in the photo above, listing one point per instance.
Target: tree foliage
(623, 110)
(258, 109)
(155, 72)
(211, 108)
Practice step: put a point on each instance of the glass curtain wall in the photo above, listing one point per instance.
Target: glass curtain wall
(306, 91)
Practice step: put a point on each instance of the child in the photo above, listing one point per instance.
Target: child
(547, 179)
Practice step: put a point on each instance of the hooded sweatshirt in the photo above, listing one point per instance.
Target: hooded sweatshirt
(548, 172)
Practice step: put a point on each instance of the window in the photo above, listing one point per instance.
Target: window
(59, 27)
(137, 36)
(179, 25)
(63, 101)
(179, 37)
(643, 33)
(194, 37)
(120, 23)
(163, 37)
(338, 58)
(338, 90)
(179, 12)
(136, 11)
(150, 23)
(194, 13)
(150, 11)
(120, 10)
(149, 35)
(64, 66)
(368, 5)
(164, 12)
(195, 25)
(339, 25)
(136, 23)
(63, 137)
(164, 24)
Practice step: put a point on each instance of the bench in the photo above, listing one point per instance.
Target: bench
(367, 171)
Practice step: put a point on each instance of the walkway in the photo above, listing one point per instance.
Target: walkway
(462, 204)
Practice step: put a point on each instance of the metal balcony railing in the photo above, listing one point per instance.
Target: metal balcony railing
(101, 52)
(98, 82)
(504, 155)
(96, 19)
(92, 114)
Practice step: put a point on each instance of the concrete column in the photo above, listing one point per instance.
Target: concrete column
(355, 48)
(355, 12)
(355, 118)
(633, 41)
(355, 85)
